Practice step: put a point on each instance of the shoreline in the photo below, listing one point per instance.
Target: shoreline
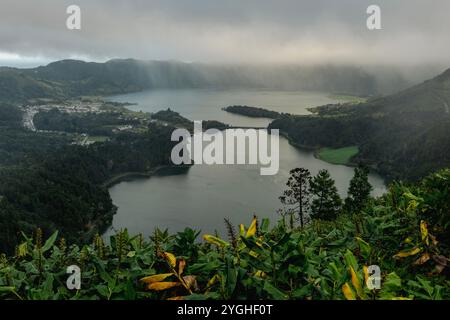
(315, 151)
(129, 176)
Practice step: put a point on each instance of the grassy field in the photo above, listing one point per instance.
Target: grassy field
(337, 156)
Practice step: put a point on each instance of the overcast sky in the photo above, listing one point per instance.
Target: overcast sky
(227, 31)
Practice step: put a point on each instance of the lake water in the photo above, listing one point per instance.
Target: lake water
(202, 196)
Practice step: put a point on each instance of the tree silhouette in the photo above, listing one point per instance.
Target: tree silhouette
(359, 190)
(298, 196)
(326, 201)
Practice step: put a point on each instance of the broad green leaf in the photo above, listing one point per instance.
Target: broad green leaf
(392, 282)
(365, 247)
(231, 279)
(265, 225)
(103, 290)
(274, 292)
(283, 240)
(426, 285)
(350, 260)
(50, 241)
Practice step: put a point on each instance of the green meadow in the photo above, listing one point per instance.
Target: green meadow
(337, 156)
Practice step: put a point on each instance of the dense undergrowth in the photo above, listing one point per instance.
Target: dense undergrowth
(405, 233)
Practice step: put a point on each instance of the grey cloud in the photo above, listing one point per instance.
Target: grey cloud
(257, 31)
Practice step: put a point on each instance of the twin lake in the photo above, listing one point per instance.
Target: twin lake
(203, 196)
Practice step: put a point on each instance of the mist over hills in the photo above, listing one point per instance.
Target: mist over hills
(67, 78)
(403, 136)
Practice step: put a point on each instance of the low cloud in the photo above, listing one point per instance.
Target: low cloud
(234, 31)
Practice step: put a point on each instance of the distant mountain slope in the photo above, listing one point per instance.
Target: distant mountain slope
(405, 135)
(68, 78)
(19, 85)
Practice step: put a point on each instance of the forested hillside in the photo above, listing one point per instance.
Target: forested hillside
(48, 183)
(403, 136)
(71, 78)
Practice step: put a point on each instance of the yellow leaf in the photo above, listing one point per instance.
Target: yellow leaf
(356, 283)
(366, 274)
(408, 240)
(170, 259)
(424, 231)
(22, 250)
(253, 254)
(259, 242)
(424, 258)
(159, 286)
(214, 240)
(241, 230)
(348, 292)
(252, 229)
(213, 280)
(156, 278)
(405, 254)
(412, 205)
(260, 274)
(401, 298)
(176, 298)
(181, 265)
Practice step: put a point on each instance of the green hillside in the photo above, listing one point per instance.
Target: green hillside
(19, 86)
(71, 78)
(403, 136)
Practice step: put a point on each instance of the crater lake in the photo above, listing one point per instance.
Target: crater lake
(202, 196)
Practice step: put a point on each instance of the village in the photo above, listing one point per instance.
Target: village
(85, 107)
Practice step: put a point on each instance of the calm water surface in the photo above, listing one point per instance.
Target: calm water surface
(203, 195)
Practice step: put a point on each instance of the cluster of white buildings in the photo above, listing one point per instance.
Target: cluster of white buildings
(29, 111)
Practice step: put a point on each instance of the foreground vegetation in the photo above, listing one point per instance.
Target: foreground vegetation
(405, 233)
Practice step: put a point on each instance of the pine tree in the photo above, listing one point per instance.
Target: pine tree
(359, 190)
(297, 196)
(326, 201)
